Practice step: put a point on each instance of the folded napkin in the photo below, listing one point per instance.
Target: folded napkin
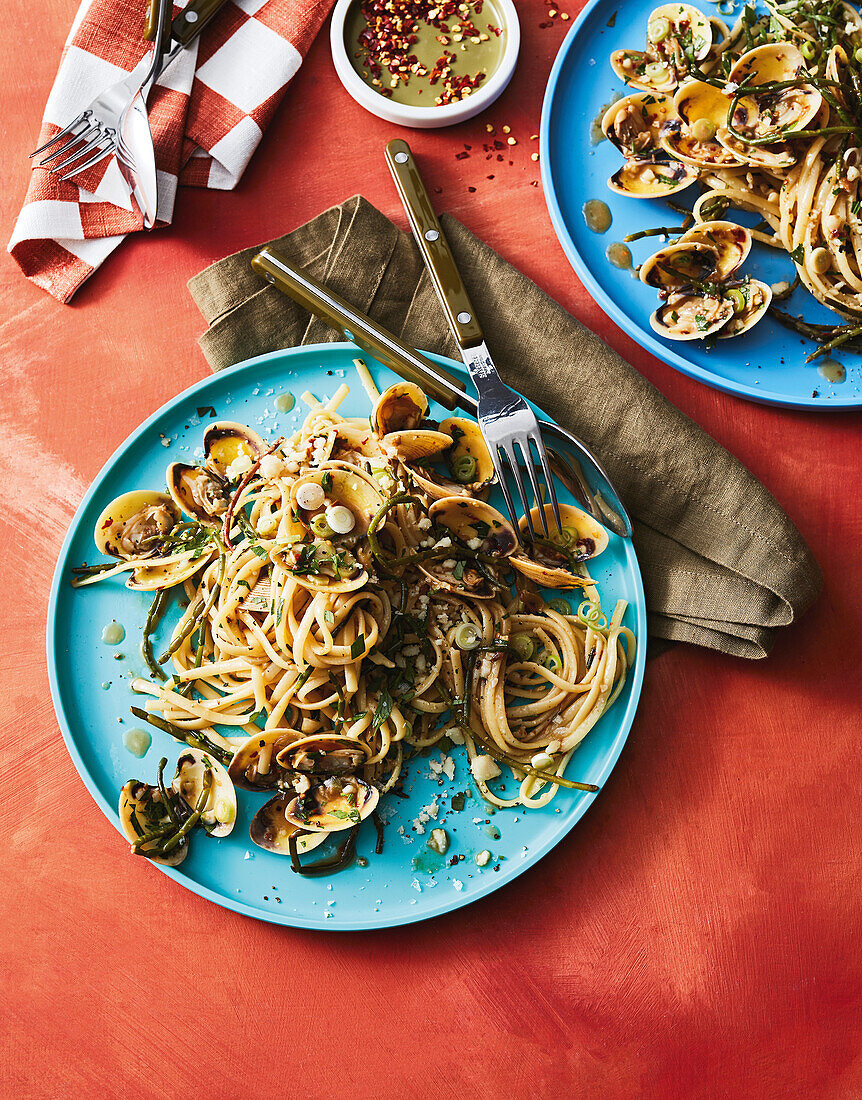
(207, 113)
(723, 566)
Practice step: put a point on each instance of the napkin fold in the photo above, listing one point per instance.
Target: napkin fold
(207, 114)
(723, 566)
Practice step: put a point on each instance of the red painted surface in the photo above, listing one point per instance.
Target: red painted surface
(698, 934)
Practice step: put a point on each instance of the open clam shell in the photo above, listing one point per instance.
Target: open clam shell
(691, 316)
(476, 523)
(758, 296)
(549, 562)
(399, 408)
(134, 524)
(342, 484)
(678, 140)
(413, 444)
(468, 442)
(777, 154)
(324, 754)
(255, 766)
(732, 243)
(338, 803)
(679, 264)
(640, 69)
(771, 111)
(685, 25)
(634, 123)
(228, 444)
(218, 815)
(200, 493)
(168, 573)
(141, 811)
(652, 179)
(271, 830)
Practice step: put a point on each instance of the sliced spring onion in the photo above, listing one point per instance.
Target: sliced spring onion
(590, 614)
(523, 645)
(560, 605)
(658, 30)
(738, 298)
(320, 526)
(464, 469)
(467, 636)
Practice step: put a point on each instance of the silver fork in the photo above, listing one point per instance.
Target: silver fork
(504, 416)
(100, 125)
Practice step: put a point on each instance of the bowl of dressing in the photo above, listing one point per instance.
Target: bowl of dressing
(424, 64)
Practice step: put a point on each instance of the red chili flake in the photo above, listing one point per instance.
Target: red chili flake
(495, 30)
(471, 189)
(461, 156)
(499, 144)
(489, 177)
(500, 156)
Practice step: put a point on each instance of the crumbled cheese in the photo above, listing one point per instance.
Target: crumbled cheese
(424, 524)
(483, 858)
(484, 768)
(443, 543)
(271, 466)
(449, 767)
(474, 544)
(439, 841)
(455, 735)
(458, 884)
(436, 767)
(411, 651)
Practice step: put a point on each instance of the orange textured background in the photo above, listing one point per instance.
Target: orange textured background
(698, 934)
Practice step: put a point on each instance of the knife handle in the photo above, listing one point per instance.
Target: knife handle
(196, 15)
(433, 245)
(150, 20)
(358, 328)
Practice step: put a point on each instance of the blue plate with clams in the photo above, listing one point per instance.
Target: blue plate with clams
(766, 364)
(94, 638)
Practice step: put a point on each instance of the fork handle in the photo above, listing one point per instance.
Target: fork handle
(196, 15)
(433, 245)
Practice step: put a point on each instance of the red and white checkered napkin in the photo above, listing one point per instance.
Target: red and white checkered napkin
(207, 114)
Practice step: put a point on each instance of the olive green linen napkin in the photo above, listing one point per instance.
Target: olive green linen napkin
(723, 566)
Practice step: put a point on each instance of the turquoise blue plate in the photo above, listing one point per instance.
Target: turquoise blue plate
(766, 364)
(92, 697)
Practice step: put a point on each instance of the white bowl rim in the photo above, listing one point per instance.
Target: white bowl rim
(406, 115)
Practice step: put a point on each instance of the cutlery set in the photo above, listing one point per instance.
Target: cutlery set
(116, 123)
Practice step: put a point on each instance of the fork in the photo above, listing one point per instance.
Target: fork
(504, 416)
(100, 125)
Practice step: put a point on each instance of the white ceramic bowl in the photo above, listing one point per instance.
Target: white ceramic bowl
(424, 118)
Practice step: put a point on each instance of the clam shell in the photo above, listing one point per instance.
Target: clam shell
(581, 536)
(790, 108)
(651, 179)
(224, 441)
(198, 492)
(327, 753)
(168, 573)
(732, 242)
(134, 797)
(271, 830)
(684, 18)
(334, 805)
(676, 139)
(647, 72)
(348, 485)
(417, 443)
(219, 813)
(691, 317)
(759, 297)
(468, 440)
(679, 264)
(634, 122)
(471, 519)
(399, 408)
(115, 517)
(255, 766)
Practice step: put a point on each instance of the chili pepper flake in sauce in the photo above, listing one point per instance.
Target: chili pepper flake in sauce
(411, 48)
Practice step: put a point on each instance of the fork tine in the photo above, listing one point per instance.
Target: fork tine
(93, 143)
(509, 452)
(100, 155)
(66, 146)
(524, 444)
(549, 480)
(504, 488)
(74, 124)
